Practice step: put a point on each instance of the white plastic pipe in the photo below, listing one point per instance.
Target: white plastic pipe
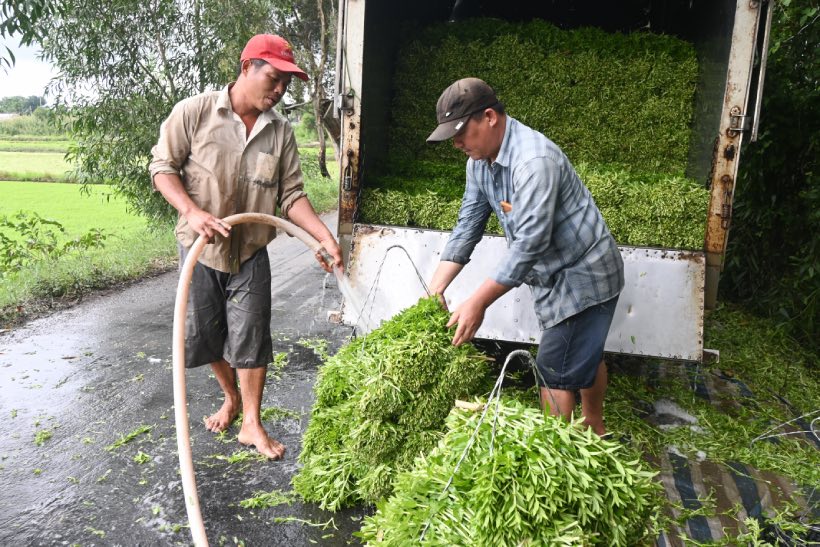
(186, 464)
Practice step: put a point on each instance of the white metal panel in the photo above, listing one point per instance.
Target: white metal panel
(659, 313)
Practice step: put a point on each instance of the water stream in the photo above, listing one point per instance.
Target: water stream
(355, 303)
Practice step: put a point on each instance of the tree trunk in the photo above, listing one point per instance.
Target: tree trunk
(319, 90)
(333, 126)
(318, 97)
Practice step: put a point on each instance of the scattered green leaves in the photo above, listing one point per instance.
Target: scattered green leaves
(127, 438)
(141, 458)
(263, 500)
(275, 413)
(41, 436)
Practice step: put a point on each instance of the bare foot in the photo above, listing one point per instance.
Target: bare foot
(597, 427)
(255, 435)
(224, 417)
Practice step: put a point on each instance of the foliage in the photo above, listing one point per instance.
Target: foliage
(26, 238)
(42, 122)
(41, 436)
(264, 500)
(122, 68)
(21, 105)
(128, 437)
(774, 250)
(310, 25)
(381, 401)
(764, 381)
(24, 18)
(527, 479)
(46, 286)
(323, 192)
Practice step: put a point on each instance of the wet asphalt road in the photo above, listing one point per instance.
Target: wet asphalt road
(76, 382)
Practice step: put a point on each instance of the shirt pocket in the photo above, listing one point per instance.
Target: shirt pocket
(265, 171)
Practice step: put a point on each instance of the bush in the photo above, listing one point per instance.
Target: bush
(39, 124)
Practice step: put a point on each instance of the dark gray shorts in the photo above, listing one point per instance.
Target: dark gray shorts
(229, 314)
(569, 352)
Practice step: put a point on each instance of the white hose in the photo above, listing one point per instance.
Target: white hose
(186, 464)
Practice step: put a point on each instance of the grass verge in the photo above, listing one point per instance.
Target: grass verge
(131, 249)
(34, 145)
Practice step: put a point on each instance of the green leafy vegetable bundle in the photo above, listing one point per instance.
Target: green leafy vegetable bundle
(380, 402)
(621, 104)
(542, 482)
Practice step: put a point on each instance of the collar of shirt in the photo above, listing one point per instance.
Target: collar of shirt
(223, 103)
(503, 157)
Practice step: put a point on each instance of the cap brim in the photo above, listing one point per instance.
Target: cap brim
(285, 66)
(446, 130)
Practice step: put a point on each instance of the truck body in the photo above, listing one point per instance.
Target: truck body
(661, 309)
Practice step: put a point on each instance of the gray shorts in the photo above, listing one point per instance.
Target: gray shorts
(229, 314)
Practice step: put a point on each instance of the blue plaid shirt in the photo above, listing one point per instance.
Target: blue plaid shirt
(557, 241)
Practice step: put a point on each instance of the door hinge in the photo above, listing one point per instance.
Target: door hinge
(739, 122)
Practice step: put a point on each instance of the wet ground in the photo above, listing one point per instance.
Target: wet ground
(87, 439)
(88, 445)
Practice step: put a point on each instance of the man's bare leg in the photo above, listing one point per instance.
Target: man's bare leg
(592, 401)
(561, 402)
(224, 417)
(252, 382)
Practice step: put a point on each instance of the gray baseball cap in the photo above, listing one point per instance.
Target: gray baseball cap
(457, 103)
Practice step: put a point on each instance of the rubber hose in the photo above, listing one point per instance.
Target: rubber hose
(186, 464)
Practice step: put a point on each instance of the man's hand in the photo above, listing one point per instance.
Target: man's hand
(205, 224)
(332, 247)
(442, 301)
(468, 316)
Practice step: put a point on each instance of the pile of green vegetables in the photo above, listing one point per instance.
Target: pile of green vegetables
(619, 105)
(535, 480)
(380, 402)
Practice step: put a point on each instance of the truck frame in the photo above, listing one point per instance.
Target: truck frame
(661, 310)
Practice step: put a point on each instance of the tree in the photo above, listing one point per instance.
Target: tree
(21, 105)
(124, 64)
(309, 25)
(23, 18)
(774, 252)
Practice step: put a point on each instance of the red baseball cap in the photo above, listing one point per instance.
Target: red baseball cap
(275, 50)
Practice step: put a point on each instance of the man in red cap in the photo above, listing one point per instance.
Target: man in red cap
(221, 153)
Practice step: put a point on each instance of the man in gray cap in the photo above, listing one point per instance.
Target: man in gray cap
(557, 243)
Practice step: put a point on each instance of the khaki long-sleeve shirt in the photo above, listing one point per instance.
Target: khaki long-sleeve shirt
(203, 141)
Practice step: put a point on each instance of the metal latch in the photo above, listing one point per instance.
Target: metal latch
(344, 102)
